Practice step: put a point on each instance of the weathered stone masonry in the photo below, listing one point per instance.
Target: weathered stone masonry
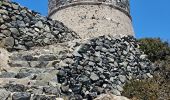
(44, 60)
(92, 18)
(21, 28)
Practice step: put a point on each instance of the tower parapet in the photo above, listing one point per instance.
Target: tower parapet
(91, 18)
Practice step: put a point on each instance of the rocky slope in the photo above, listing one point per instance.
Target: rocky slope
(46, 60)
(22, 29)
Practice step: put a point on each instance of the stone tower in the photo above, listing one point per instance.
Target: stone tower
(91, 18)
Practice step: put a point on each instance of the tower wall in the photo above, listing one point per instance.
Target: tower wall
(91, 18)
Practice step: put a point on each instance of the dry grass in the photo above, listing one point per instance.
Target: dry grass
(157, 88)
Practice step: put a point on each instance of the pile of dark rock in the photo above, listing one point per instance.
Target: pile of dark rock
(22, 29)
(103, 65)
(93, 67)
(49, 61)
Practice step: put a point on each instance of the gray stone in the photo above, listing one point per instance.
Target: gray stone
(39, 24)
(143, 56)
(61, 73)
(104, 50)
(20, 47)
(111, 60)
(125, 52)
(5, 17)
(80, 67)
(7, 75)
(21, 23)
(44, 97)
(15, 31)
(47, 57)
(9, 42)
(91, 63)
(119, 88)
(19, 17)
(36, 90)
(61, 63)
(37, 30)
(122, 78)
(65, 89)
(84, 79)
(75, 53)
(4, 94)
(94, 77)
(149, 75)
(56, 32)
(3, 26)
(47, 41)
(4, 11)
(15, 6)
(76, 97)
(19, 64)
(52, 91)
(112, 79)
(22, 75)
(21, 96)
(129, 68)
(47, 28)
(98, 48)
(38, 64)
(6, 32)
(1, 20)
(116, 92)
(2, 37)
(100, 69)
(7, 4)
(29, 44)
(97, 54)
(15, 87)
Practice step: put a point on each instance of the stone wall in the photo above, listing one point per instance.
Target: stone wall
(55, 5)
(76, 69)
(21, 29)
(45, 60)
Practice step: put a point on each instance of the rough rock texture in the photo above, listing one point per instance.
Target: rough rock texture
(110, 97)
(54, 5)
(48, 61)
(4, 57)
(95, 20)
(79, 69)
(22, 29)
(103, 65)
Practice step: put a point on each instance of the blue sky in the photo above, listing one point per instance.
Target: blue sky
(151, 18)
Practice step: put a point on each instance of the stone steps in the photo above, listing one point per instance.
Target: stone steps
(13, 91)
(33, 74)
(24, 75)
(20, 86)
(49, 56)
(32, 83)
(33, 64)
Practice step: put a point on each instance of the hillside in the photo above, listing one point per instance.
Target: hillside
(42, 59)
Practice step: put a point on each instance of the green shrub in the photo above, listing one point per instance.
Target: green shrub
(141, 90)
(149, 89)
(154, 48)
(157, 88)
